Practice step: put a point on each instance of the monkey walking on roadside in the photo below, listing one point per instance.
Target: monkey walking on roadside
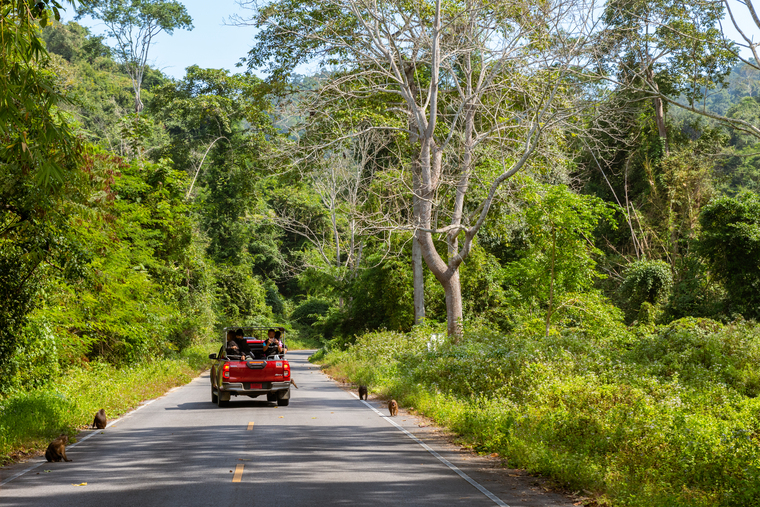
(57, 449)
(100, 421)
(393, 408)
(363, 393)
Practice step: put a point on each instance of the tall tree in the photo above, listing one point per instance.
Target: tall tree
(341, 178)
(220, 128)
(480, 82)
(205, 110)
(41, 181)
(671, 50)
(134, 24)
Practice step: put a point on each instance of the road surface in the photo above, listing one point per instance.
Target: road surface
(326, 448)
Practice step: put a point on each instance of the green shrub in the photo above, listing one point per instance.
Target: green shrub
(699, 351)
(308, 312)
(730, 242)
(646, 283)
(274, 301)
(665, 415)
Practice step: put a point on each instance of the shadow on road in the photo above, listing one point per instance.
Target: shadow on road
(285, 465)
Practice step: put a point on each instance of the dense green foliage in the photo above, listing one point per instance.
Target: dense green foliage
(103, 251)
(646, 283)
(730, 242)
(662, 416)
(45, 176)
(604, 298)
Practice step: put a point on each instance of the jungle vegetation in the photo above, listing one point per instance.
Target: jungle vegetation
(561, 227)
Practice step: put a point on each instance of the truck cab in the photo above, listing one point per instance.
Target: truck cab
(246, 366)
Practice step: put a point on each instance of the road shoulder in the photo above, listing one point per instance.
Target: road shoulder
(515, 487)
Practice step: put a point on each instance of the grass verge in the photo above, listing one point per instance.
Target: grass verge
(30, 419)
(303, 344)
(666, 416)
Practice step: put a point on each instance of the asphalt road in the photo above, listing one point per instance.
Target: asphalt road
(326, 448)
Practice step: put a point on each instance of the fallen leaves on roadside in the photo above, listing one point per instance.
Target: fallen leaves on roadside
(82, 484)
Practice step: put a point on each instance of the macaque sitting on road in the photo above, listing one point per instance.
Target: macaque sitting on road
(57, 449)
(100, 421)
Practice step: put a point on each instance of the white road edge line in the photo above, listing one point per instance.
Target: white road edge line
(6, 481)
(443, 460)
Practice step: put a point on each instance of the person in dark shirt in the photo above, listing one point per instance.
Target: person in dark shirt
(233, 348)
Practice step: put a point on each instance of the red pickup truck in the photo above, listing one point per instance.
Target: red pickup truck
(244, 368)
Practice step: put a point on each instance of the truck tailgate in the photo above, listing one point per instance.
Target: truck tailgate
(259, 370)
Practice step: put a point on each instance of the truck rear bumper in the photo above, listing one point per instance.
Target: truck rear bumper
(245, 388)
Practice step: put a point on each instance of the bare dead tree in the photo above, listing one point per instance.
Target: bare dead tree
(341, 175)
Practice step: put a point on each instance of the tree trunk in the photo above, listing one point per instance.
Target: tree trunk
(446, 273)
(138, 103)
(418, 275)
(659, 110)
(453, 290)
(659, 117)
(551, 284)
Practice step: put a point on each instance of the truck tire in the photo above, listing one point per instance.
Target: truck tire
(283, 402)
(271, 397)
(214, 397)
(220, 403)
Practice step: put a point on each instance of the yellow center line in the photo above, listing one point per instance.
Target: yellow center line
(238, 473)
(250, 426)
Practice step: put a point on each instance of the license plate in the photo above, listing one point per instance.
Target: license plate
(254, 386)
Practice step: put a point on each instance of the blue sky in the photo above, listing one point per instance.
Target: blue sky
(211, 44)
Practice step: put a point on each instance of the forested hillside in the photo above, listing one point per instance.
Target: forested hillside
(546, 238)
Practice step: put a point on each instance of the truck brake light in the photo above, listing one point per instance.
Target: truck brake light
(287, 373)
(226, 371)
